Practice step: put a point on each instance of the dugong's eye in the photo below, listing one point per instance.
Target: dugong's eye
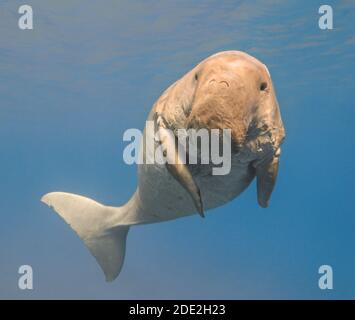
(263, 86)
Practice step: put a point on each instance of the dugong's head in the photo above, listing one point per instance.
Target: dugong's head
(229, 90)
(235, 91)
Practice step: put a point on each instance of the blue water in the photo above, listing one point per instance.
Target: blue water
(89, 70)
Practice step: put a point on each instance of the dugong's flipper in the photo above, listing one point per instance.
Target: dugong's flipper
(266, 174)
(178, 168)
(96, 225)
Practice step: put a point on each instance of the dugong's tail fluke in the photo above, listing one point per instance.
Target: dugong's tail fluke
(96, 225)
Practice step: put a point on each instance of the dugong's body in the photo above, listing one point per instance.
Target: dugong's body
(229, 90)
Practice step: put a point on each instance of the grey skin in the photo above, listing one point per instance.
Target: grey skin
(229, 90)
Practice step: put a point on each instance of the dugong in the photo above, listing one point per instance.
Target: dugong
(228, 90)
